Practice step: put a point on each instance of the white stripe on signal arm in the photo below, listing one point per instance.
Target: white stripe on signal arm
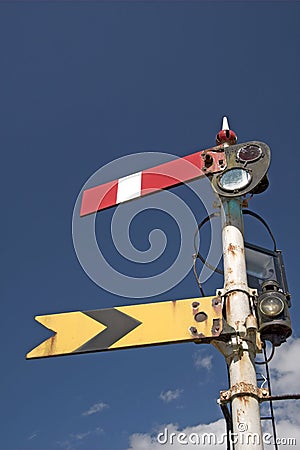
(129, 187)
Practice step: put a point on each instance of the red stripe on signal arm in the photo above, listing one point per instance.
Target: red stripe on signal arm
(176, 172)
(156, 178)
(99, 197)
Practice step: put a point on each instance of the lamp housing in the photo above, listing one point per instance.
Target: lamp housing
(246, 170)
(273, 314)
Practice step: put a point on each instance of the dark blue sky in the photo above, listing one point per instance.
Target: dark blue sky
(85, 83)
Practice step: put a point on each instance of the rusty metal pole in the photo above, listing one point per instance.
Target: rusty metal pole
(245, 409)
(240, 352)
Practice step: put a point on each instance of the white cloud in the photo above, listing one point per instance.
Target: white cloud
(285, 370)
(66, 444)
(210, 436)
(96, 408)
(74, 439)
(287, 430)
(202, 362)
(169, 395)
(285, 379)
(285, 367)
(33, 435)
(80, 436)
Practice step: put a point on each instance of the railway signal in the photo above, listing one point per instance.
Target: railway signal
(232, 320)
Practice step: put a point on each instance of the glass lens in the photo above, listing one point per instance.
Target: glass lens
(249, 153)
(234, 179)
(271, 306)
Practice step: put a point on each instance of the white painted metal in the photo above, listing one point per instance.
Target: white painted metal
(225, 124)
(245, 410)
(129, 187)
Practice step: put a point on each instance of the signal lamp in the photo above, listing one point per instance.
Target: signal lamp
(263, 265)
(273, 314)
(234, 179)
(249, 153)
(272, 305)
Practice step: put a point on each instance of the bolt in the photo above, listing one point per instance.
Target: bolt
(195, 305)
(216, 301)
(193, 330)
(219, 292)
(264, 392)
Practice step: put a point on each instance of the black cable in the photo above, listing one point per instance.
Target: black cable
(282, 397)
(258, 217)
(198, 254)
(204, 221)
(228, 421)
(197, 278)
(230, 443)
(266, 361)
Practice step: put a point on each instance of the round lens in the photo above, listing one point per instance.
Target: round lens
(234, 179)
(249, 153)
(271, 305)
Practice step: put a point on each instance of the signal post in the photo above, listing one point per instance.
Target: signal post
(241, 351)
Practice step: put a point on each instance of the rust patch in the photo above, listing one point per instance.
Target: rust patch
(52, 344)
(216, 302)
(230, 285)
(232, 249)
(228, 309)
(216, 327)
(240, 415)
(228, 303)
(246, 387)
(195, 334)
(245, 400)
(243, 391)
(195, 307)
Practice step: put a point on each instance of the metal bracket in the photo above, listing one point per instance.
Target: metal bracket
(249, 291)
(208, 319)
(244, 389)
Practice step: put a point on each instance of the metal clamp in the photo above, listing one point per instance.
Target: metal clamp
(225, 292)
(244, 389)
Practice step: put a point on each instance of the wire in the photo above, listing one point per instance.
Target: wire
(196, 276)
(258, 217)
(198, 254)
(204, 221)
(282, 397)
(267, 360)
